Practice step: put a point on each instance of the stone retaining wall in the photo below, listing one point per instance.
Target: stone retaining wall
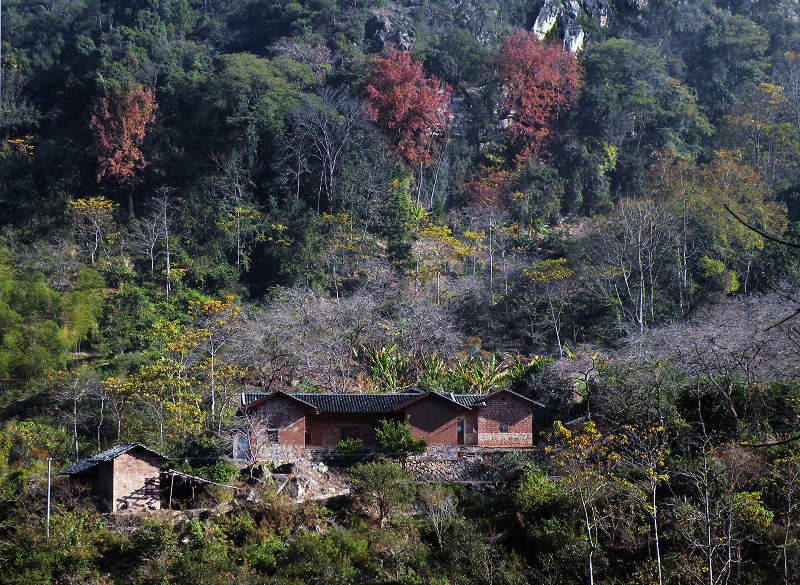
(438, 463)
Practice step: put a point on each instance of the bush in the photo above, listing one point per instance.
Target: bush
(219, 472)
(382, 489)
(396, 440)
(350, 446)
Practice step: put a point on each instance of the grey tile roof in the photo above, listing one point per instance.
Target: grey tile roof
(346, 403)
(107, 455)
(467, 400)
(342, 403)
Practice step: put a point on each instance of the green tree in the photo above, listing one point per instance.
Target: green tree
(630, 102)
(395, 438)
(382, 489)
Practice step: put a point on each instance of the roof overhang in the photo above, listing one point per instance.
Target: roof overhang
(427, 395)
(278, 393)
(520, 396)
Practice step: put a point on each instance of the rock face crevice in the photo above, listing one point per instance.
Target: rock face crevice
(566, 14)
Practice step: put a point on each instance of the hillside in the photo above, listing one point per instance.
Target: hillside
(592, 203)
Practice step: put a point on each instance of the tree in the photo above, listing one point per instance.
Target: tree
(72, 388)
(253, 431)
(382, 489)
(400, 225)
(165, 213)
(487, 193)
(326, 128)
(630, 102)
(443, 245)
(118, 130)
(629, 252)
(584, 459)
(412, 109)
(439, 505)
(644, 450)
(785, 488)
(247, 99)
(395, 438)
(697, 197)
(540, 81)
(215, 324)
(145, 237)
(93, 222)
(549, 276)
(724, 515)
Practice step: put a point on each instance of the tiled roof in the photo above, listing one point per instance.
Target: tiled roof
(107, 455)
(345, 403)
(342, 403)
(466, 400)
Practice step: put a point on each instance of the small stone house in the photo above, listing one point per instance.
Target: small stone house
(125, 477)
(500, 419)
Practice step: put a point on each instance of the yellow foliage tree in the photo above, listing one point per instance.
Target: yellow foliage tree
(93, 223)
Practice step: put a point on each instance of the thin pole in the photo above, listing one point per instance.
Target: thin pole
(47, 530)
(171, 483)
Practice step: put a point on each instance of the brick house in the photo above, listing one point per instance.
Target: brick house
(125, 477)
(500, 419)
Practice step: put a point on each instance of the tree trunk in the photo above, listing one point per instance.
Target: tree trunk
(655, 532)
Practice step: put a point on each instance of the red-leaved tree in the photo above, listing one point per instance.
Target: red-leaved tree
(118, 129)
(409, 107)
(540, 81)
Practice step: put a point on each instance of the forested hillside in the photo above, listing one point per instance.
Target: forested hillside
(593, 203)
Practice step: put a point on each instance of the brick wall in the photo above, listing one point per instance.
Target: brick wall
(136, 481)
(505, 407)
(435, 421)
(288, 417)
(326, 430)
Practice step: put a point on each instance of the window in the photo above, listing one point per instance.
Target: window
(504, 427)
(272, 435)
(351, 433)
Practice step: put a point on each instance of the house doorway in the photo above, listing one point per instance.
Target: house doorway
(460, 431)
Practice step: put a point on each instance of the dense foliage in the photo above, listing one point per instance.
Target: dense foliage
(203, 197)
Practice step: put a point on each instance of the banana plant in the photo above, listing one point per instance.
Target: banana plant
(389, 369)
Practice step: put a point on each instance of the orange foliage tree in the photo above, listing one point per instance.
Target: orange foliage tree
(118, 129)
(540, 81)
(409, 107)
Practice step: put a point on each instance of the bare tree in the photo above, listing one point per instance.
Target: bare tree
(252, 431)
(730, 346)
(629, 251)
(439, 506)
(71, 391)
(786, 485)
(328, 127)
(145, 238)
(165, 212)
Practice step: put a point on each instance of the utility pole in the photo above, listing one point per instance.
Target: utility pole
(47, 530)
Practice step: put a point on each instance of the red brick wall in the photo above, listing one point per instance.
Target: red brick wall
(288, 417)
(326, 430)
(435, 421)
(515, 411)
(136, 481)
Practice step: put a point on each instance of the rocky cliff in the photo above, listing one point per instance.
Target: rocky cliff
(566, 15)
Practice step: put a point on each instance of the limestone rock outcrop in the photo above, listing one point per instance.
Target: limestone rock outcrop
(566, 13)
